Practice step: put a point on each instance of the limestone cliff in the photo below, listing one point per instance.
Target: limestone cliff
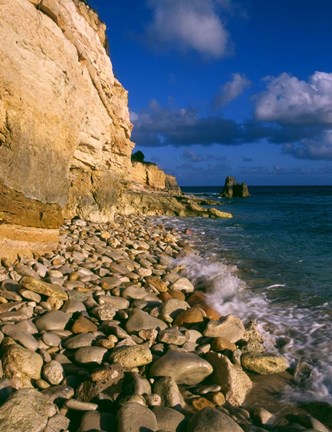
(65, 131)
(64, 120)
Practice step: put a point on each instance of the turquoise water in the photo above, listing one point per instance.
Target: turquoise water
(273, 262)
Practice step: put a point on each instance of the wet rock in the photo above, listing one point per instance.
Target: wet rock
(26, 410)
(221, 344)
(172, 308)
(234, 382)
(132, 356)
(185, 368)
(44, 288)
(198, 298)
(140, 320)
(183, 284)
(229, 327)
(133, 417)
(191, 316)
(264, 364)
(212, 420)
(156, 283)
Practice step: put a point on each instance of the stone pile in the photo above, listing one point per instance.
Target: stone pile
(107, 334)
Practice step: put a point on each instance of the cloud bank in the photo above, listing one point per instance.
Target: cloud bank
(291, 101)
(189, 25)
(291, 112)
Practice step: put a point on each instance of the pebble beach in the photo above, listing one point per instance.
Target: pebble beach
(107, 333)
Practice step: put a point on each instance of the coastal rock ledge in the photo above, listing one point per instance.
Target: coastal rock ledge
(65, 129)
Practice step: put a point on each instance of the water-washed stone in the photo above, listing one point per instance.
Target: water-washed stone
(72, 306)
(212, 420)
(191, 316)
(185, 368)
(234, 382)
(54, 320)
(80, 405)
(133, 417)
(21, 336)
(57, 423)
(264, 364)
(53, 372)
(90, 355)
(183, 284)
(169, 392)
(156, 283)
(132, 356)
(97, 421)
(79, 341)
(230, 327)
(172, 336)
(221, 344)
(118, 303)
(168, 419)
(83, 325)
(140, 320)
(26, 410)
(43, 288)
(172, 308)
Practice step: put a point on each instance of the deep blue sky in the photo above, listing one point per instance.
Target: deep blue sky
(223, 87)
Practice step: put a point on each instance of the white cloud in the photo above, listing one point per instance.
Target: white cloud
(289, 100)
(189, 24)
(231, 90)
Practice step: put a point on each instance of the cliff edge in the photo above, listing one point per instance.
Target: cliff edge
(65, 130)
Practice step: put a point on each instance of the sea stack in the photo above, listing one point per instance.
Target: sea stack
(233, 189)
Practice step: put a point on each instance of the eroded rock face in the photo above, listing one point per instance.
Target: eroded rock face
(62, 130)
(234, 189)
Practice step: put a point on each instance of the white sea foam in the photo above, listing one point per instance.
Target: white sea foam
(300, 334)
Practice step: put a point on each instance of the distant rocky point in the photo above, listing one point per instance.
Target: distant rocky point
(233, 189)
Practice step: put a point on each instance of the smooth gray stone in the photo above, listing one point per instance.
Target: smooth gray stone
(140, 320)
(21, 336)
(54, 320)
(96, 421)
(133, 417)
(72, 306)
(169, 392)
(51, 339)
(79, 341)
(80, 406)
(185, 368)
(90, 355)
(118, 303)
(212, 420)
(169, 419)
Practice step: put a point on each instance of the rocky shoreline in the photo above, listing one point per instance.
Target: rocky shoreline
(108, 334)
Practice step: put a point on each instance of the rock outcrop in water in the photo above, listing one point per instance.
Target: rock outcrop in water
(233, 189)
(65, 131)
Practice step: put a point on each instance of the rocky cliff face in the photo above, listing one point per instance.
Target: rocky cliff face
(64, 120)
(65, 146)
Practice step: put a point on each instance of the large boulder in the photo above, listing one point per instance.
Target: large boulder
(234, 189)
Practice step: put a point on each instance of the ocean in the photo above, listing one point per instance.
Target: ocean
(273, 263)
